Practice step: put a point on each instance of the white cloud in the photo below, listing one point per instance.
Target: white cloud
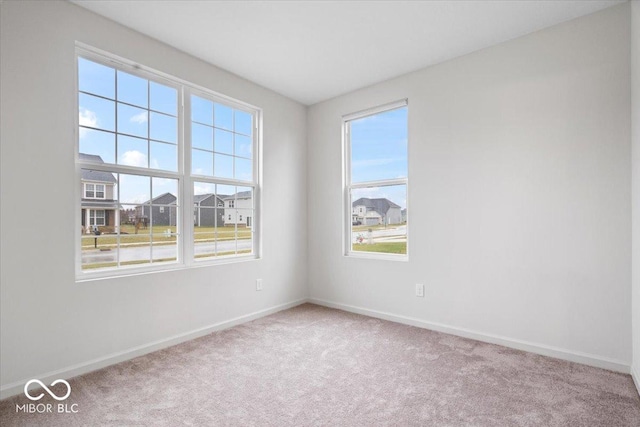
(139, 118)
(86, 118)
(133, 158)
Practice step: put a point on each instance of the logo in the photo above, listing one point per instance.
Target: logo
(39, 408)
(52, 394)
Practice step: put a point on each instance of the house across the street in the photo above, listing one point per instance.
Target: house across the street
(160, 210)
(238, 209)
(205, 213)
(98, 205)
(375, 212)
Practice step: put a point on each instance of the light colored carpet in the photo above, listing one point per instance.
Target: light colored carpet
(314, 366)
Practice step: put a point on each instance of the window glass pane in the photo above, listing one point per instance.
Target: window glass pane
(134, 189)
(164, 128)
(244, 146)
(379, 219)
(379, 146)
(133, 89)
(163, 214)
(96, 112)
(202, 136)
(96, 78)
(202, 163)
(226, 192)
(132, 120)
(131, 219)
(223, 166)
(165, 247)
(242, 122)
(89, 179)
(98, 143)
(132, 151)
(201, 110)
(223, 142)
(223, 117)
(164, 156)
(135, 250)
(243, 169)
(160, 186)
(163, 98)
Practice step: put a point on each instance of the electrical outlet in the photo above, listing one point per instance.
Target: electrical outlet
(420, 290)
(258, 284)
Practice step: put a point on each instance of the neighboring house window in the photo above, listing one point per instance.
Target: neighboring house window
(231, 204)
(96, 218)
(376, 171)
(94, 191)
(131, 154)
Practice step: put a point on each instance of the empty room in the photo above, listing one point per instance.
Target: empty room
(320, 213)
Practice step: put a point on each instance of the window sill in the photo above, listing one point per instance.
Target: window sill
(133, 271)
(377, 256)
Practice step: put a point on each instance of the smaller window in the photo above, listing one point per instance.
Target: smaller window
(161, 209)
(229, 217)
(376, 170)
(240, 217)
(232, 203)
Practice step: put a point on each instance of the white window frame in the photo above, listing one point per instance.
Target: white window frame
(185, 225)
(254, 184)
(348, 186)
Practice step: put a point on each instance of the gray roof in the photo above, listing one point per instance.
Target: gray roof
(381, 206)
(162, 196)
(240, 195)
(98, 176)
(200, 197)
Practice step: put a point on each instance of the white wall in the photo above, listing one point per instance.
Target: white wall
(519, 200)
(635, 123)
(49, 322)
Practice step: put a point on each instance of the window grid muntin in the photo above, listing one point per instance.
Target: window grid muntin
(150, 78)
(184, 88)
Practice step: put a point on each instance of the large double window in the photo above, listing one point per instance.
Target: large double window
(168, 171)
(375, 162)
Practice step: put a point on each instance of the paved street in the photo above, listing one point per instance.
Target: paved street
(389, 234)
(138, 253)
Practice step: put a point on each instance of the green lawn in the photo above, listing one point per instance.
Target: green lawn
(384, 247)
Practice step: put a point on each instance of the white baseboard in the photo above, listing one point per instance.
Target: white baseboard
(559, 353)
(635, 374)
(17, 387)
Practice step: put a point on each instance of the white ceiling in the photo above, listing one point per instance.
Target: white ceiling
(313, 51)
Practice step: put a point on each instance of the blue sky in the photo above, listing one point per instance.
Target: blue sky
(379, 151)
(134, 123)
